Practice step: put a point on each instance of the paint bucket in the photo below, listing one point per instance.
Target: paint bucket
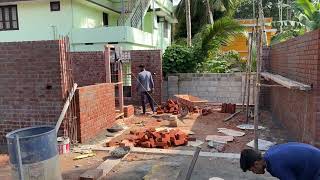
(33, 153)
(63, 145)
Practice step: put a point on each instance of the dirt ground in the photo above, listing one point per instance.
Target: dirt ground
(200, 125)
(207, 125)
(70, 169)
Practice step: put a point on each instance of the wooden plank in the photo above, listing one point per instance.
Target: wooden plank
(168, 152)
(92, 174)
(108, 165)
(286, 82)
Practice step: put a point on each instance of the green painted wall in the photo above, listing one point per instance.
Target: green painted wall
(86, 17)
(147, 22)
(113, 18)
(82, 21)
(37, 22)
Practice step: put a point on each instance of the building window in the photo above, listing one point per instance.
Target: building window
(55, 6)
(8, 18)
(165, 29)
(105, 19)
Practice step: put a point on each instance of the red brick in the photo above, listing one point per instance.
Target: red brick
(146, 144)
(190, 138)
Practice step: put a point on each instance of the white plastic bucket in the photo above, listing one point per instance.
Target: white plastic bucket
(63, 145)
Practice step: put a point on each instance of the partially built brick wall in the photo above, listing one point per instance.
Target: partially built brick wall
(31, 91)
(297, 59)
(152, 59)
(95, 109)
(88, 67)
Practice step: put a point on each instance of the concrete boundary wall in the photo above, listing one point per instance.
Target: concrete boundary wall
(214, 87)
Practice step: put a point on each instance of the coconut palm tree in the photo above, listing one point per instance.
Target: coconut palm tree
(188, 22)
(201, 14)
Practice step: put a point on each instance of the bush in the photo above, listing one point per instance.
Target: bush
(178, 59)
(223, 62)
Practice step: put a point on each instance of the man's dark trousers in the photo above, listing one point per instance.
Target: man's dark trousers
(143, 102)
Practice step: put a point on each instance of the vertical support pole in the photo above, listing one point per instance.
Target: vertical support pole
(188, 21)
(257, 96)
(249, 77)
(19, 158)
(107, 54)
(120, 86)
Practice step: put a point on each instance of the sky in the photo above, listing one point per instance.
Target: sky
(175, 2)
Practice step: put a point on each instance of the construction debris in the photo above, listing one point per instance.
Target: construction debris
(150, 138)
(195, 143)
(84, 156)
(115, 128)
(91, 174)
(171, 106)
(206, 111)
(231, 116)
(263, 145)
(249, 127)
(120, 152)
(231, 132)
(228, 108)
(220, 147)
(219, 139)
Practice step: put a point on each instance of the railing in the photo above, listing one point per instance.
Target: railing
(128, 7)
(137, 17)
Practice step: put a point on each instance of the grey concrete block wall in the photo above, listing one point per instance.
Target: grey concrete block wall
(214, 87)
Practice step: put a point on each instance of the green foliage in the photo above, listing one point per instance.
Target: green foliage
(286, 35)
(245, 10)
(199, 14)
(222, 62)
(308, 14)
(218, 34)
(178, 59)
(204, 55)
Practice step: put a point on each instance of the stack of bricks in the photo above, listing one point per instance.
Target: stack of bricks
(170, 107)
(128, 111)
(150, 138)
(228, 108)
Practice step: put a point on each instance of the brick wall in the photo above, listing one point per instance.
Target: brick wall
(297, 59)
(88, 67)
(31, 85)
(95, 109)
(152, 59)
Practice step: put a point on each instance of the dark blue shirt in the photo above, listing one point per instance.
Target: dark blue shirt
(293, 161)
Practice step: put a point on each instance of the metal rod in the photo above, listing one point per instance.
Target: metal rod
(21, 177)
(193, 162)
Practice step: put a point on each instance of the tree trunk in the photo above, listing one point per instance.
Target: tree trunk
(188, 22)
(209, 12)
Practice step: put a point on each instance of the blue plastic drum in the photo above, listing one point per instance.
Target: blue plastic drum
(38, 151)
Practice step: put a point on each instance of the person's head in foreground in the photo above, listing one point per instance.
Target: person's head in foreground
(252, 161)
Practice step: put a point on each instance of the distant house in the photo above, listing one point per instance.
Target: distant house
(241, 43)
(90, 24)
